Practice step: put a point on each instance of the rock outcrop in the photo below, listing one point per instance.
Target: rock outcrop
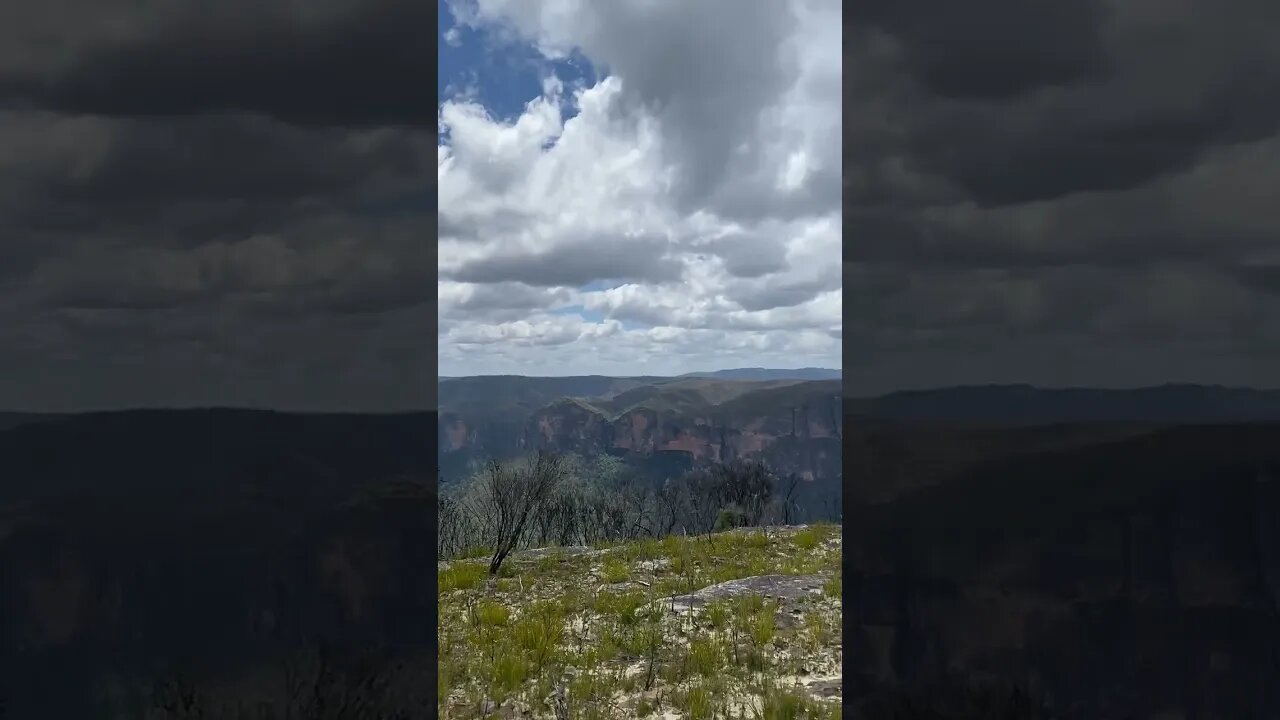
(796, 426)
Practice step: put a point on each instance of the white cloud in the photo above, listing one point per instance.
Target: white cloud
(686, 217)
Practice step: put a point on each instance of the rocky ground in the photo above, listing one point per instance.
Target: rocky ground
(741, 624)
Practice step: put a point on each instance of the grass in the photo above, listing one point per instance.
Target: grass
(615, 570)
(461, 576)
(777, 704)
(597, 631)
(509, 673)
(491, 615)
(696, 702)
(833, 586)
(807, 539)
(705, 656)
(761, 627)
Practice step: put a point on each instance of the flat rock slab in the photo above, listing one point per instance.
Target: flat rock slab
(530, 554)
(780, 587)
(653, 566)
(825, 689)
(539, 553)
(770, 530)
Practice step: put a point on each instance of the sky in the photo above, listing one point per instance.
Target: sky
(1065, 193)
(229, 203)
(638, 187)
(216, 204)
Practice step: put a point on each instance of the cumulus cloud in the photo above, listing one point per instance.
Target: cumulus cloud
(678, 211)
(216, 205)
(1070, 194)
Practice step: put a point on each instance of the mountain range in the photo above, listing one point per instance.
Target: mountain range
(1107, 548)
(753, 373)
(659, 423)
(1008, 405)
(1113, 553)
(795, 423)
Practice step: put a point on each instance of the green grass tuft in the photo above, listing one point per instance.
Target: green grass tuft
(546, 627)
(615, 571)
(461, 576)
(806, 539)
(706, 658)
(491, 615)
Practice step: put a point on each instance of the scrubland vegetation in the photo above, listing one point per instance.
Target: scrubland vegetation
(687, 600)
(648, 627)
(568, 500)
(570, 589)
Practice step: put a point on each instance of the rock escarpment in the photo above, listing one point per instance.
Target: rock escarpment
(796, 426)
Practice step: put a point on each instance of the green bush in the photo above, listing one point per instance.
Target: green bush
(460, 576)
(729, 518)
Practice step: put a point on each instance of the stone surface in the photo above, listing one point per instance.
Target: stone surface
(780, 587)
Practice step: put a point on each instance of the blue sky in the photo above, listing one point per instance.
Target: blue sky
(594, 316)
(505, 72)
(698, 171)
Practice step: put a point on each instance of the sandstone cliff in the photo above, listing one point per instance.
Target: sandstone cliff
(797, 426)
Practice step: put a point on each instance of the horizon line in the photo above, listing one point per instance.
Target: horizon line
(632, 375)
(424, 410)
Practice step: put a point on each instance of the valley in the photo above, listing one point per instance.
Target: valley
(659, 426)
(1103, 554)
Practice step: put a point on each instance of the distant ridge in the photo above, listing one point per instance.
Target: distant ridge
(757, 373)
(1029, 405)
(652, 421)
(119, 453)
(14, 419)
(754, 373)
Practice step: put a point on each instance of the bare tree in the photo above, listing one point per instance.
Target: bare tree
(670, 506)
(603, 516)
(568, 526)
(639, 507)
(745, 484)
(546, 523)
(452, 531)
(511, 496)
(790, 488)
(590, 520)
(702, 500)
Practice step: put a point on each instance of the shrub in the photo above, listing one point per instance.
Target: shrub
(696, 703)
(489, 615)
(729, 518)
(705, 657)
(508, 673)
(806, 539)
(460, 576)
(615, 571)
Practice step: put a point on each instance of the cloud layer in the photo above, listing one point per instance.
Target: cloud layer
(1075, 194)
(680, 213)
(215, 205)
